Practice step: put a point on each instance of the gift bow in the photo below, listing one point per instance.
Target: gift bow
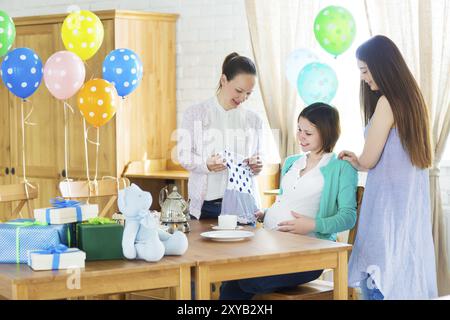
(20, 225)
(56, 252)
(100, 220)
(59, 203)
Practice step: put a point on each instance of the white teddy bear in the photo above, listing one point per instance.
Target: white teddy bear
(142, 237)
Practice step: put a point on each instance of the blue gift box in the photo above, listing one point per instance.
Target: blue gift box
(19, 236)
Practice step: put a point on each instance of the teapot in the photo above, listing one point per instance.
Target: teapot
(174, 210)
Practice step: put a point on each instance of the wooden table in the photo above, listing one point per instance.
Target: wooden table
(267, 253)
(98, 278)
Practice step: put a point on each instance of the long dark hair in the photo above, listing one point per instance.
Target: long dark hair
(235, 64)
(397, 84)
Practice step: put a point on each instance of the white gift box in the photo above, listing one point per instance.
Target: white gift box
(66, 215)
(72, 258)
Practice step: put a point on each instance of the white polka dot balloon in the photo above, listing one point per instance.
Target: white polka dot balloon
(123, 68)
(21, 71)
(64, 73)
(97, 101)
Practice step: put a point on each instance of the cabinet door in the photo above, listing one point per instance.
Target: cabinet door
(43, 161)
(5, 148)
(107, 153)
(146, 123)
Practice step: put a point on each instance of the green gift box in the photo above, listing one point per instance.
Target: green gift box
(101, 239)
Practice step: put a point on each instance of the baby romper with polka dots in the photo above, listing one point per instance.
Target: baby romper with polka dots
(238, 197)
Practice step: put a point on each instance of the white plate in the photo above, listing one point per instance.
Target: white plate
(227, 235)
(219, 228)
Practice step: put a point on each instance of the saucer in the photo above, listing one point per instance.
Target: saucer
(219, 228)
(227, 235)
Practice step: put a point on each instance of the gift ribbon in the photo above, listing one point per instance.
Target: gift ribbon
(59, 203)
(56, 252)
(20, 225)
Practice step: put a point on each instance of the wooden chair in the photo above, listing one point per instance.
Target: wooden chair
(101, 189)
(318, 289)
(17, 192)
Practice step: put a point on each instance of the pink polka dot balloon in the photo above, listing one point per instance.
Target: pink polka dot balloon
(64, 74)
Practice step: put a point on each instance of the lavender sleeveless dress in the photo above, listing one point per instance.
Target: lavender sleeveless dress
(394, 242)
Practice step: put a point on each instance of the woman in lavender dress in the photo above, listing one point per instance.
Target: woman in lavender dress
(393, 256)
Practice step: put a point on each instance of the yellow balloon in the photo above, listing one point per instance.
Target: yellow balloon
(82, 33)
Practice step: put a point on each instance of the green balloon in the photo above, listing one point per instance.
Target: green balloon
(7, 33)
(335, 29)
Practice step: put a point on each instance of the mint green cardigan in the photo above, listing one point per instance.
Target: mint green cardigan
(337, 208)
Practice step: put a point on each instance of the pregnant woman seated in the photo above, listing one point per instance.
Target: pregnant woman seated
(317, 197)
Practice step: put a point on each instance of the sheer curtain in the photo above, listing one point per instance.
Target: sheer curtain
(421, 30)
(279, 27)
(275, 27)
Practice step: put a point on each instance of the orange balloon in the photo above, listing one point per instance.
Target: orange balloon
(97, 101)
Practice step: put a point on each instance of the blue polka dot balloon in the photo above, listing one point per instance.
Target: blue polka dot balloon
(22, 72)
(123, 68)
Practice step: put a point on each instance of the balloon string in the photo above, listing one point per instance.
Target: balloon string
(86, 149)
(96, 153)
(66, 104)
(66, 145)
(118, 181)
(87, 137)
(29, 113)
(25, 180)
(93, 184)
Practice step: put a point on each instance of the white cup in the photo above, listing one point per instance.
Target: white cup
(228, 221)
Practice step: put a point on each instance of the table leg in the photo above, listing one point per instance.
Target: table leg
(183, 292)
(341, 277)
(202, 283)
(20, 292)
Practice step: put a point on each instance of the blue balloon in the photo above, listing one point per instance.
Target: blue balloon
(317, 82)
(123, 68)
(22, 72)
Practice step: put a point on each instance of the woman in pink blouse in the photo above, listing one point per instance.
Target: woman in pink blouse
(217, 124)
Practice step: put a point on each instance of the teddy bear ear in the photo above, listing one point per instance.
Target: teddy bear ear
(135, 187)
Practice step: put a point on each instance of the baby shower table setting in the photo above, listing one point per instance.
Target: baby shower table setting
(68, 251)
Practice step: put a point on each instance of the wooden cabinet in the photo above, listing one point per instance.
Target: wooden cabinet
(144, 120)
